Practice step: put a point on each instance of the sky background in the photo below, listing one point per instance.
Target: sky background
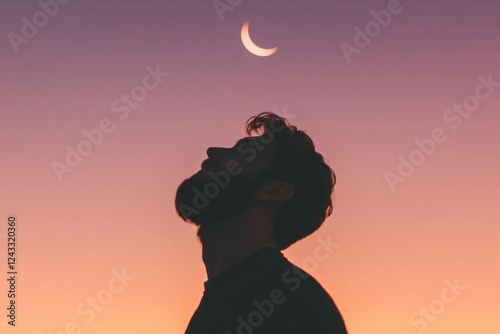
(397, 246)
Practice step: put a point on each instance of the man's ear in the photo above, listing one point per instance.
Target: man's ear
(275, 191)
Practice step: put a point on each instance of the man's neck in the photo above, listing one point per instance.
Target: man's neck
(223, 249)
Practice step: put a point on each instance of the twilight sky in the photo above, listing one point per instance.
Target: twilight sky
(106, 106)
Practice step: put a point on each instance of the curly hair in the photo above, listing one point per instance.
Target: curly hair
(296, 161)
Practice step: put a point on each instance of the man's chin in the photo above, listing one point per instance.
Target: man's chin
(210, 212)
(204, 229)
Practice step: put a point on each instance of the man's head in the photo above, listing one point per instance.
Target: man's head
(277, 170)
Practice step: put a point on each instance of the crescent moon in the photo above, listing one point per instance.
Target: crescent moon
(250, 45)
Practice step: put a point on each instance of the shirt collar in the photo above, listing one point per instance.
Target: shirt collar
(241, 272)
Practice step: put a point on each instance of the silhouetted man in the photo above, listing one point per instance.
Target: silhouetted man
(250, 202)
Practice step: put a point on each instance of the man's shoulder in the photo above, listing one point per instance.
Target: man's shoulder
(307, 289)
(274, 297)
(304, 302)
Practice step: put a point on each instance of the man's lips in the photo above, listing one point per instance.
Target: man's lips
(207, 164)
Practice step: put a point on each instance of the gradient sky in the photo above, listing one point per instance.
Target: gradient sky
(397, 247)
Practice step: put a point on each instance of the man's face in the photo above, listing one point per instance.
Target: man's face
(226, 182)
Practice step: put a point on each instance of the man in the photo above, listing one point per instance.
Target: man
(249, 202)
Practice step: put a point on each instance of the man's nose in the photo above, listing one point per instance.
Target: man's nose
(215, 153)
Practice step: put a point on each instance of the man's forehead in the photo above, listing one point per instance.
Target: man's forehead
(260, 140)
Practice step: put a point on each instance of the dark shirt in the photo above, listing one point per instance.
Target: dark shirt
(265, 294)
